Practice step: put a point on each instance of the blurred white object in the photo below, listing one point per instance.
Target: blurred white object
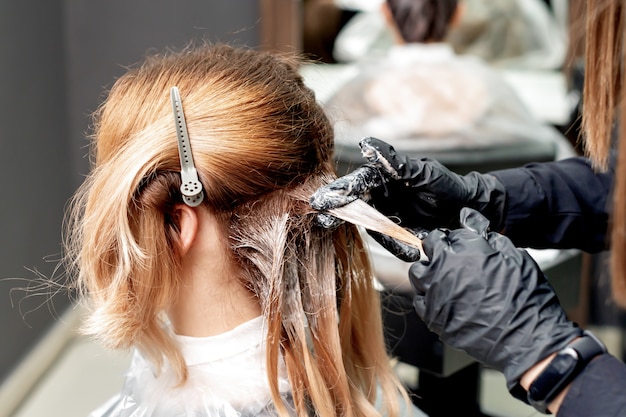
(543, 92)
(506, 33)
(364, 35)
(520, 34)
(359, 5)
(425, 97)
(326, 79)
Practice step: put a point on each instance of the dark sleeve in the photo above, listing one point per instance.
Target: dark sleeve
(560, 205)
(600, 390)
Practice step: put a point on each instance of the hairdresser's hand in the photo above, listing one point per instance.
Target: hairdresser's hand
(482, 295)
(422, 193)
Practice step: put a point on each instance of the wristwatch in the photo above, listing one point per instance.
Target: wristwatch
(563, 368)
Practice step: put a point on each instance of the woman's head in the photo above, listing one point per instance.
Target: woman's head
(422, 20)
(261, 146)
(246, 113)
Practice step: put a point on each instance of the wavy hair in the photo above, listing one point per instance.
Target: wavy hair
(262, 146)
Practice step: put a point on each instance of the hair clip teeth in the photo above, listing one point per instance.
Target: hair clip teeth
(191, 187)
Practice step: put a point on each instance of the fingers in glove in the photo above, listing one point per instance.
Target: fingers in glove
(346, 189)
(420, 273)
(436, 242)
(328, 221)
(504, 245)
(382, 155)
(419, 303)
(474, 221)
(400, 250)
(419, 277)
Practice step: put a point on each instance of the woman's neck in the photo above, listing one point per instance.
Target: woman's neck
(208, 306)
(212, 299)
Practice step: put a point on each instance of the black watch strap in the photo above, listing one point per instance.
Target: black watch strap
(563, 368)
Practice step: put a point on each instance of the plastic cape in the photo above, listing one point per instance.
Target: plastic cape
(424, 98)
(227, 378)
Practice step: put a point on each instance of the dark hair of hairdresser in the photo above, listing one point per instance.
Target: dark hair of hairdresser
(422, 20)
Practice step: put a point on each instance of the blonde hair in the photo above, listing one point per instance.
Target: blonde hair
(262, 146)
(603, 106)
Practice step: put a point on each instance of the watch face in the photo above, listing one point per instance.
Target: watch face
(560, 367)
(562, 370)
(563, 363)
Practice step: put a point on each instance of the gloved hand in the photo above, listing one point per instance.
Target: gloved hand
(482, 295)
(422, 193)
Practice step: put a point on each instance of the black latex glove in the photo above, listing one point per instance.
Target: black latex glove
(482, 295)
(422, 193)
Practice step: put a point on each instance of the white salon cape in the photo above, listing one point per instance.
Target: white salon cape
(227, 378)
(427, 98)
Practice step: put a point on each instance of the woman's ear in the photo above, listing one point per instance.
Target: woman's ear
(188, 224)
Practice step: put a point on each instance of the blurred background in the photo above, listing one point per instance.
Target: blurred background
(60, 56)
